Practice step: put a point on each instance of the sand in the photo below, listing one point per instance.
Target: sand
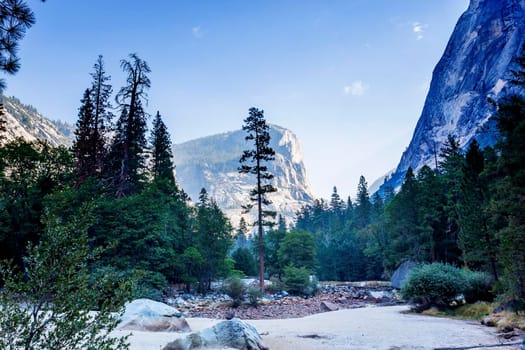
(365, 328)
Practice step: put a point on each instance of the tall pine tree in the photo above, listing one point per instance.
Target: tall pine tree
(253, 161)
(100, 96)
(94, 118)
(83, 146)
(161, 153)
(127, 151)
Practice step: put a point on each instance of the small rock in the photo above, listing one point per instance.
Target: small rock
(328, 306)
(229, 315)
(491, 321)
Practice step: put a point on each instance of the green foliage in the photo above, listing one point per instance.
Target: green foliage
(272, 243)
(29, 171)
(235, 288)
(193, 264)
(244, 261)
(48, 306)
(297, 280)
(161, 154)
(434, 283)
(126, 161)
(94, 118)
(478, 286)
(254, 295)
(16, 18)
(297, 248)
(150, 285)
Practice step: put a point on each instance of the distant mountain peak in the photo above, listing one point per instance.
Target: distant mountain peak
(211, 162)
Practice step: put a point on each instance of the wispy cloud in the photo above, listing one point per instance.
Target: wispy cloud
(419, 29)
(197, 32)
(357, 88)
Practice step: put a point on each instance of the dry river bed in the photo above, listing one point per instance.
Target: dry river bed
(371, 327)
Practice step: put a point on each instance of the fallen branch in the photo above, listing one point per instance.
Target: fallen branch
(480, 346)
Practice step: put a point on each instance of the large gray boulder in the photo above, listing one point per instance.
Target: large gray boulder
(152, 316)
(401, 274)
(232, 334)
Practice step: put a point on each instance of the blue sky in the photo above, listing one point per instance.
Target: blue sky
(349, 77)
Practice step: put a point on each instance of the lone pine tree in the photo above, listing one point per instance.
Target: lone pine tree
(253, 161)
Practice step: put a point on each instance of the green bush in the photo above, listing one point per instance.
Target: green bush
(433, 284)
(151, 285)
(254, 294)
(478, 286)
(235, 288)
(296, 280)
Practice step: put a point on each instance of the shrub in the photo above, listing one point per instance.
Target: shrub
(478, 286)
(254, 294)
(296, 280)
(151, 285)
(433, 284)
(48, 305)
(235, 288)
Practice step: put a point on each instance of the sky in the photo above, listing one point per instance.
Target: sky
(348, 77)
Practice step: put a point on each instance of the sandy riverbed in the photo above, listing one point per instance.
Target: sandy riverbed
(382, 328)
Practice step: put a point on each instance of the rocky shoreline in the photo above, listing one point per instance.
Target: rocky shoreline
(281, 306)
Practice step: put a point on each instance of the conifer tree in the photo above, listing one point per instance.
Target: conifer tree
(477, 242)
(94, 119)
(508, 206)
(363, 208)
(450, 166)
(127, 153)
(15, 19)
(253, 161)
(336, 204)
(241, 239)
(100, 96)
(83, 145)
(161, 153)
(403, 213)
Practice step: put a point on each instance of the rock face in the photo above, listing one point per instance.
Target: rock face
(24, 121)
(152, 316)
(475, 67)
(211, 162)
(401, 274)
(235, 334)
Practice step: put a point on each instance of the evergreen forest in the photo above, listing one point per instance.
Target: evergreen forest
(467, 211)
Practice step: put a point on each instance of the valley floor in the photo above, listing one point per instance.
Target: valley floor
(381, 328)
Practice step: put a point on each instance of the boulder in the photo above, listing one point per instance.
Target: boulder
(328, 306)
(234, 334)
(401, 274)
(152, 316)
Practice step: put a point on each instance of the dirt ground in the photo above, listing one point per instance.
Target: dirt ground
(382, 328)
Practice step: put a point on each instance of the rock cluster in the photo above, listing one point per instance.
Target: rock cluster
(235, 334)
(281, 305)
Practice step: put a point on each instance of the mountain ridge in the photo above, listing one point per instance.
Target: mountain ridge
(211, 162)
(475, 68)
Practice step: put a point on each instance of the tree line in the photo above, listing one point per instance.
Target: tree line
(469, 211)
(139, 215)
